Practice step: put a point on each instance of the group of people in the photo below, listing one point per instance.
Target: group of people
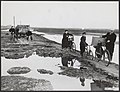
(15, 34)
(110, 39)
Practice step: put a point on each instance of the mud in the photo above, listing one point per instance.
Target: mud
(20, 83)
(43, 71)
(19, 70)
(47, 48)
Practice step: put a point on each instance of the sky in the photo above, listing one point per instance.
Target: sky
(61, 14)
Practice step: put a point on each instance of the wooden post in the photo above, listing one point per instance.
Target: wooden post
(14, 21)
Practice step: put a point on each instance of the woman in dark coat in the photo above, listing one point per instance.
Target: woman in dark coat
(83, 43)
(65, 39)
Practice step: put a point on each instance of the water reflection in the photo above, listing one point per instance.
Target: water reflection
(70, 61)
(82, 80)
(98, 85)
(35, 62)
(67, 61)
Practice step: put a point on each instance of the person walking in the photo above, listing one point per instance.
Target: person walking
(83, 43)
(110, 42)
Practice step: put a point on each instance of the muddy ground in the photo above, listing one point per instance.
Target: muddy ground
(20, 83)
(18, 70)
(47, 48)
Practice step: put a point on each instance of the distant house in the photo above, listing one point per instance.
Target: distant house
(23, 28)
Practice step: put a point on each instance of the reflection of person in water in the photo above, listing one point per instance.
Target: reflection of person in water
(82, 80)
(67, 61)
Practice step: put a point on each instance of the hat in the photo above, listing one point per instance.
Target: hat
(84, 33)
(66, 30)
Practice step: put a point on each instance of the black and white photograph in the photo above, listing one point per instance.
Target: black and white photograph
(59, 45)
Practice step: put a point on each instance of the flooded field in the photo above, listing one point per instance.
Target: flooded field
(59, 82)
(35, 62)
(62, 78)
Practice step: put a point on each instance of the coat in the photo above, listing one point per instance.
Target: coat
(65, 43)
(83, 43)
(110, 40)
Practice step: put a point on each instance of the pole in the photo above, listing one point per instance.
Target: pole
(14, 20)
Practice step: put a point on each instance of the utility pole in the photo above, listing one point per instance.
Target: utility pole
(14, 21)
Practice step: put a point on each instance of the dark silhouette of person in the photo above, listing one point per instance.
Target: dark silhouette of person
(12, 31)
(110, 42)
(65, 43)
(65, 61)
(99, 50)
(82, 80)
(16, 32)
(83, 43)
(29, 35)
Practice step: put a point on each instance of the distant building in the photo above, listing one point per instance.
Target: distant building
(23, 28)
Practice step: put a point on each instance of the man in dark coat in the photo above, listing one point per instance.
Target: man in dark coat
(12, 30)
(110, 42)
(83, 43)
(16, 32)
(65, 39)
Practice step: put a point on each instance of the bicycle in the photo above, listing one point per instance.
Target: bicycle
(88, 52)
(105, 53)
(72, 45)
(106, 56)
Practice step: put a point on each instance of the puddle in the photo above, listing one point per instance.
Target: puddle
(59, 82)
(35, 62)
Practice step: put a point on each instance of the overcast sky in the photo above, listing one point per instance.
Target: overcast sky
(61, 14)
